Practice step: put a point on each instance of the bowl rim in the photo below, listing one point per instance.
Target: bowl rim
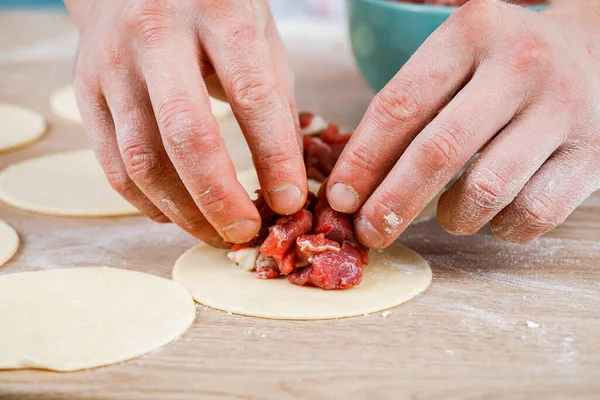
(428, 8)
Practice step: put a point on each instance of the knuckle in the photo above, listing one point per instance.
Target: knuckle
(181, 126)
(146, 20)
(195, 223)
(242, 35)
(142, 161)
(487, 189)
(474, 19)
(215, 200)
(112, 52)
(250, 91)
(399, 104)
(119, 181)
(529, 52)
(277, 157)
(539, 213)
(361, 160)
(441, 150)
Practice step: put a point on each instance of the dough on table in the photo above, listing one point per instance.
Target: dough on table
(392, 277)
(64, 105)
(19, 126)
(64, 184)
(72, 319)
(9, 242)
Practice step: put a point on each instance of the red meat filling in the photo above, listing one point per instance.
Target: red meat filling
(315, 246)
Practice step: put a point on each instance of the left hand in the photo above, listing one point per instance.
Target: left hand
(522, 85)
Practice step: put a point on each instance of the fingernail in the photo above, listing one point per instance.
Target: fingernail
(343, 198)
(367, 234)
(286, 199)
(241, 231)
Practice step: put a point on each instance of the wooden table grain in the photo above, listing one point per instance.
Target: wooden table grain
(499, 320)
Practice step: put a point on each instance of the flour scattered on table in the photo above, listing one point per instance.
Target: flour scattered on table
(531, 324)
(386, 314)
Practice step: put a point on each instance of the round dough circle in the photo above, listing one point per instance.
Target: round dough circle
(64, 184)
(72, 319)
(64, 105)
(392, 277)
(19, 126)
(9, 242)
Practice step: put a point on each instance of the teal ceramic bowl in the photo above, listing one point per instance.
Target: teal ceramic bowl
(384, 34)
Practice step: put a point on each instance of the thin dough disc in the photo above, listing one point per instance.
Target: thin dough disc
(65, 184)
(9, 242)
(392, 277)
(71, 319)
(64, 105)
(19, 126)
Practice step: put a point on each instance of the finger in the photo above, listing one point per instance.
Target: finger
(284, 71)
(100, 129)
(426, 83)
(241, 56)
(562, 183)
(476, 114)
(501, 171)
(147, 162)
(191, 137)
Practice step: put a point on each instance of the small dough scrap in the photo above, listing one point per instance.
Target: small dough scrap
(220, 109)
(72, 319)
(64, 184)
(393, 276)
(64, 105)
(249, 181)
(19, 126)
(9, 242)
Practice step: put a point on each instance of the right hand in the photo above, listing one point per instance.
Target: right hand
(144, 71)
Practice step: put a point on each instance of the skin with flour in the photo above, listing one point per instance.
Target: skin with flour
(525, 83)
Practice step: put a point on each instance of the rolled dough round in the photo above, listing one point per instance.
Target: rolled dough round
(72, 319)
(392, 277)
(64, 105)
(19, 126)
(65, 184)
(9, 242)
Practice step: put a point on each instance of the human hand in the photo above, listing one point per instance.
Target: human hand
(526, 84)
(143, 75)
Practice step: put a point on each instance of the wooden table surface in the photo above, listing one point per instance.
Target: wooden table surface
(467, 336)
